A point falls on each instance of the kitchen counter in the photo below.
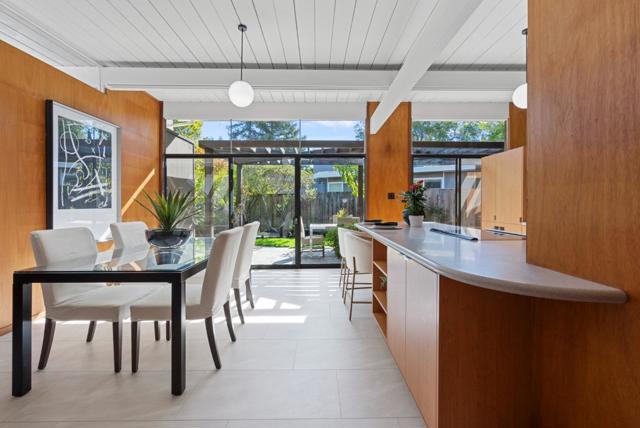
(498, 265)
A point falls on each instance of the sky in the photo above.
(313, 130)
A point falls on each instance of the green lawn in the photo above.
(276, 242)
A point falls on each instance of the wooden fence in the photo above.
(276, 212)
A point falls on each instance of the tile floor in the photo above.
(298, 363)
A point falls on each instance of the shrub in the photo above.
(331, 238)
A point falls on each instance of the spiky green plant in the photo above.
(171, 209)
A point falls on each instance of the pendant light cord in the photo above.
(242, 29)
(525, 32)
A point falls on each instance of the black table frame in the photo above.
(22, 309)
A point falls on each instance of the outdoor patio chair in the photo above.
(311, 240)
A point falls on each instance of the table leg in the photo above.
(21, 338)
(178, 337)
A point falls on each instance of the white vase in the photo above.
(416, 220)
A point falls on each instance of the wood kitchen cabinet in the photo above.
(503, 191)
(412, 328)
(421, 339)
(396, 305)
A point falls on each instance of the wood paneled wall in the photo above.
(583, 213)
(516, 127)
(25, 84)
(388, 163)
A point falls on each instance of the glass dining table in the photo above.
(136, 265)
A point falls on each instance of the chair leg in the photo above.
(208, 323)
(236, 292)
(227, 315)
(249, 292)
(117, 346)
(135, 345)
(49, 330)
(167, 327)
(353, 290)
(92, 331)
(345, 291)
(340, 284)
(156, 329)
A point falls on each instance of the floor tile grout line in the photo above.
(334, 316)
(339, 395)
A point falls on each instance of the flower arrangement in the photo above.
(414, 200)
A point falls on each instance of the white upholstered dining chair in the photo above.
(73, 302)
(131, 236)
(358, 259)
(201, 302)
(242, 271)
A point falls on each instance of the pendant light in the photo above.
(519, 97)
(241, 92)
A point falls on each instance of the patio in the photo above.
(286, 256)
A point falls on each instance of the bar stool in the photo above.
(359, 261)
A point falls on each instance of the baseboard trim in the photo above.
(7, 328)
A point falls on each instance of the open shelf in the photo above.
(381, 265)
(381, 319)
(379, 274)
(381, 297)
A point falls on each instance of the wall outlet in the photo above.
(391, 195)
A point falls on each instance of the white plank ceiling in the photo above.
(316, 34)
(282, 34)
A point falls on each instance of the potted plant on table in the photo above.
(414, 204)
(171, 211)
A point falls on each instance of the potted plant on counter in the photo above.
(414, 203)
(171, 211)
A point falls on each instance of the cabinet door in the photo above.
(396, 305)
(510, 186)
(421, 351)
(488, 193)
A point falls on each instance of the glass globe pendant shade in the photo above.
(519, 97)
(241, 93)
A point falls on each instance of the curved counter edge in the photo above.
(555, 285)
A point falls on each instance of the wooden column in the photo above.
(516, 127)
(583, 213)
(388, 163)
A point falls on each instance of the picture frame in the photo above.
(83, 168)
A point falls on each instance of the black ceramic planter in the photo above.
(168, 238)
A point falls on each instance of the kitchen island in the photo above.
(458, 317)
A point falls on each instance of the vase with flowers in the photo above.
(414, 204)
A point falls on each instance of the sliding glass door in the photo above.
(265, 191)
(331, 194)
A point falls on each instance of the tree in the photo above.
(272, 130)
(458, 131)
(189, 129)
(349, 175)
(358, 130)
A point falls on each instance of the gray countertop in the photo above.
(498, 265)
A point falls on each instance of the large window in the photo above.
(446, 155)
(298, 178)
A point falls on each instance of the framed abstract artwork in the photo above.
(83, 170)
